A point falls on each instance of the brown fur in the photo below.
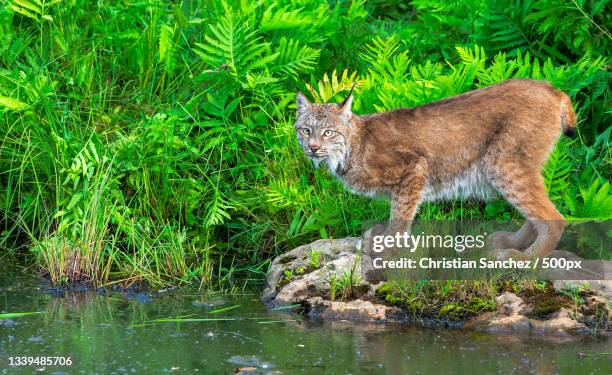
(492, 139)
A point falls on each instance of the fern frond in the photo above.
(294, 59)
(504, 25)
(36, 10)
(167, 47)
(500, 70)
(326, 89)
(283, 18)
(579, 25)
(282, 194)
(12, 104)
(217, 210)
(165, 41)
(462, 76)
(557, 173)
(595, 201)
(384, 60)
(234, 44)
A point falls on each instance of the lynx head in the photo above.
(323, 131)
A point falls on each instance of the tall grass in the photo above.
(153, 141)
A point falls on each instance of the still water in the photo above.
(119, 333)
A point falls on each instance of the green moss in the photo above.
(392, 299)
(452, 300)
(546, 307)
(384, 288)
(464, 309)
(543, 298)
(451, 310)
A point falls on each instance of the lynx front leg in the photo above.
(406, 199)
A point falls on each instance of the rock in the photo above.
(510, 317)
(601, 287)
(357, 310)
(337, 258)
(297, 278)
(509, 304)
(245, 370)
(249, 363)
(512, 323)
(561, 323)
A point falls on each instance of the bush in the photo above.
(153, 141)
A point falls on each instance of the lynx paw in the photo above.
(500, 240)
(503, 254)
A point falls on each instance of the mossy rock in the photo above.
(545, 302)
(438, 300)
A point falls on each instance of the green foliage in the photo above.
(234, 45)
(288, 275)
(36, 10)
(333, 287)
(148, 141)
(595, 201)
(295, 59)
(315, 258)
(433, 299)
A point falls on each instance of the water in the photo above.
(113, 334)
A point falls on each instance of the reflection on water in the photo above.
(114, 334)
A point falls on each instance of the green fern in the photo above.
(594, 202)
(328, 88)
(233, 44)
(579, 25)
(302, 223)
(384, 60)
(217, 210)
(12, 46)
(463, 75)
(294, 60)
(504, 25)
(557, 173)
(282, 194)
(274, 18)
(36, 10)
(167, 47)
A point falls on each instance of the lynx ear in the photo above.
(345, 106)
(303, 105)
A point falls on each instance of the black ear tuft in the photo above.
(570, 132)
(349, 96)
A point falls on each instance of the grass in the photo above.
(451, 300)
(458, 300)
(153, 142)
(19, 314)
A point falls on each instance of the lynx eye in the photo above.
(305, 131)
(328, 133)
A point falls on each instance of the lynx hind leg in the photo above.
(525, 190)
(519, 240)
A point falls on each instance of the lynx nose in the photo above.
(314, 148)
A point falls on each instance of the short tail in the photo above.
(568, 116)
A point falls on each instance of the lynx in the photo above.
(479, 144)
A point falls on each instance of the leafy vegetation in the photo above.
(153, 141)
